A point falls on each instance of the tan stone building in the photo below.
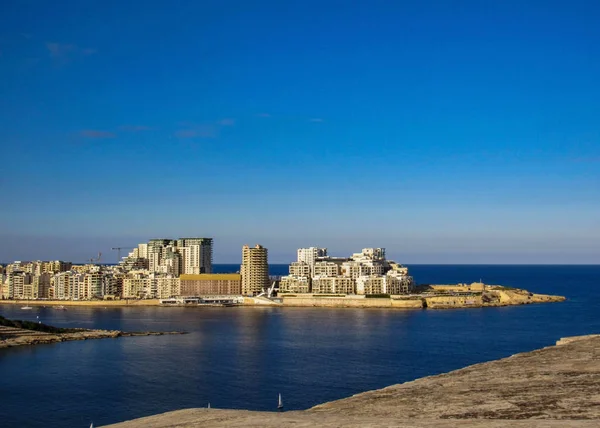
(167, 287)
(210, 284)
(254, 269)
(398, 283)
(326, 269)
(294, 284)
(372, 284)
(137, 288)
(332, 285)
(301, 269)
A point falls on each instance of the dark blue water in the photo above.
(243, 357)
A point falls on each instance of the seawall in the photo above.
(101, 303)
(351, 302)
(434, 297)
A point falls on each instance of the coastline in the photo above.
(20, 333)
(92, 303)
(430, 297)
(36, 338)
(556, 386)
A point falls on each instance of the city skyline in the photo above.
(446, 132)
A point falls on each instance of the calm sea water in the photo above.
(243, 357)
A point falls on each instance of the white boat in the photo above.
(60, 308)
(26, 308)
(280, 403)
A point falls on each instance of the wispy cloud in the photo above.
(201, 131)
(135, 128)
(263, 115)
(316, 120)
(226, 122)
(63, 52)
(204, 130)
(583, 159)
(93, 133)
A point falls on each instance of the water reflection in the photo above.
(244, 357)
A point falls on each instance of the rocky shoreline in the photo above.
(429, 297)
(557, 386)
(12, 336)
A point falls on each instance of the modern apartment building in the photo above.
(18, 285)
(254, 269)
(167, 287)
(93, 286)
(310, 255)
(326, 269)
(300, 269)
(136, 288)
(371, 284)
(294, 284)
(367, 272)
(196, 254)
(172, 257)
(157, 250)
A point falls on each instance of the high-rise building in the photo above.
(310, 255)
(156, 251)
(254, 269)
(182, 256)
(196, 255)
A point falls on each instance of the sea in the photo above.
(243, 357)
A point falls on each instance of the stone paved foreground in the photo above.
(558, 386)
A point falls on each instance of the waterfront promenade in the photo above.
(431, 297)
(557, 386)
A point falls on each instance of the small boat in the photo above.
(280, 403)
(60, 308)
(26, 308)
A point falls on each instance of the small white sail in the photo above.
(280, 404)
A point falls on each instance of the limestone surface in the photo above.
(557, 386)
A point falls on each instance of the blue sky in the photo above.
(445, 131)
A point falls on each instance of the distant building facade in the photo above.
(254, 269)
(366, 273)
(210, 284)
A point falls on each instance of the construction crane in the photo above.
(95, 260)
(119, 251)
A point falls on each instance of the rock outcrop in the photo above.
(10, 336)
(557, 386)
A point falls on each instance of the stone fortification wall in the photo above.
(453, 301)
(475, 286)
(350, 302)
